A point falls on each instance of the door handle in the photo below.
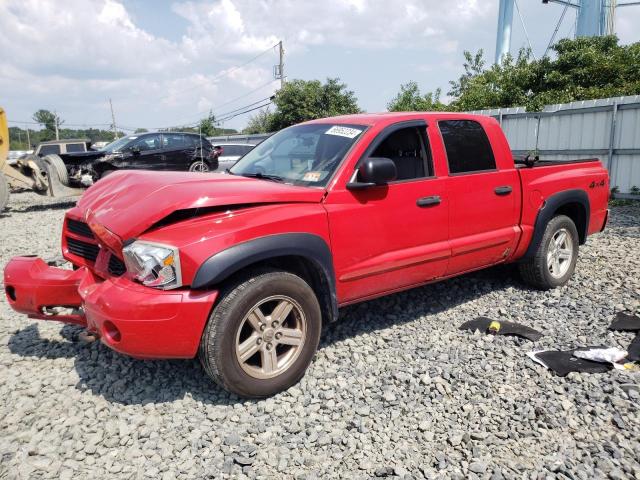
(504, 190)
(429, 201)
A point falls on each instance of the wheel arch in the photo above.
(303, 254)
(572, 203)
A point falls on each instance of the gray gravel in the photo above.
(394, 391)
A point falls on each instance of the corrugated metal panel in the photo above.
(584, 129)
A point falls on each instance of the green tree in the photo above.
(141, 130)
(260, 122)
(207, 126)
(48, 120)
(409, 99)
(584, 68)
(301, 100)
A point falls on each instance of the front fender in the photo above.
(222, 265)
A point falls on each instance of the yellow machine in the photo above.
(29, 172)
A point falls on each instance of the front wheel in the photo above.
(555, 259)
(262, 335)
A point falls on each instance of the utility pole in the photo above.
(278, 70)
(505, 21)
(56, 123)
(113, 120)
(28, 139)
(595, 17)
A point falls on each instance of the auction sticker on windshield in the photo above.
(343, 131)
(312, 176)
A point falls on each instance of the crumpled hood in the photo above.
(80, 157)
(128, 203)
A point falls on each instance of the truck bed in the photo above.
(520, 163)
(548, 177)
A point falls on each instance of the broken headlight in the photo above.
(154, 265)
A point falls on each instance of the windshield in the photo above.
(116, 145)
(300, 155)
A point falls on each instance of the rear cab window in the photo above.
(467, 146)
(75, 147)
(49, 149)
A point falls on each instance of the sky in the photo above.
(169, 62)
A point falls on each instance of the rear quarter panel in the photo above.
(540, 183)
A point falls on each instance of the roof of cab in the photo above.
(65, 140)
(393, 117)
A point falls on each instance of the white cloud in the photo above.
(74, 55)
(250, 26)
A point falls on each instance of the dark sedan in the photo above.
(148, 151)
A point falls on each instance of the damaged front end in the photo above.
(87, 168)
(92, 290)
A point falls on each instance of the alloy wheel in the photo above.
(271, 337)
(560, 253)
(199, 166)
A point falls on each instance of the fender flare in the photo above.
(545, 214)
(222, 265)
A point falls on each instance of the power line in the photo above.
(246, 111)
(246, 106)
(65, 123)
(247, 94)
(225, 72)
(230, 101)
(524, 27)
(553, 37)
(222, 116)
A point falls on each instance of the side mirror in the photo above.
(135, 150)
(374, 171)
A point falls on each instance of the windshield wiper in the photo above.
(265, 176)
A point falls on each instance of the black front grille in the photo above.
(79, 228)
(116, 266)
(88, 251)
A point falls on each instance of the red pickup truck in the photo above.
(243, 268)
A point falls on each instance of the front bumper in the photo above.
(128, 317)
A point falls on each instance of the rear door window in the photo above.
(467, 145)
(173, 141)
(49, 149)
(75, 147)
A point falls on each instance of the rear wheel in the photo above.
(199, 166)
(4, 191)
(262, 335)
(555, 259)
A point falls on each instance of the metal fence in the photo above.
(608, 129)
(253, 139)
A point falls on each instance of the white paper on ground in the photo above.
(611, 355)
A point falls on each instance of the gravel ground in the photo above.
(395, 389)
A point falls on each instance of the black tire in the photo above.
(4, 191)
(45, 171)
(218, 344)
(201, 166)
(536, 271)
(57, 165)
